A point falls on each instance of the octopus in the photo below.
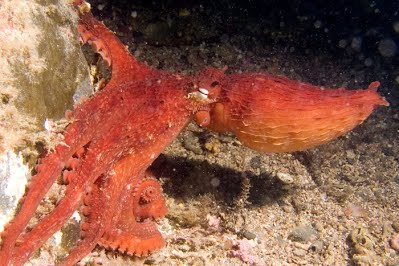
(116, 134)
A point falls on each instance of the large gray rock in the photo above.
(41, 66)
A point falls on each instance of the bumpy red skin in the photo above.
(120, 131)
(127, 121)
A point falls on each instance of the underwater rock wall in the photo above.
(41, 65)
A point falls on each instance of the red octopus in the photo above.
(116, 135)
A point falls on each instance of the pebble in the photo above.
(100, 7)
(299, 252)
(350, 154)
(249, 235)
(304, 246)
(317, 246)
(303, 233)
(356, 43)
(342, 43)
(213, 145)
(190, 142)
(395, 226)
(286, 179)
(395, 26)
(361, 239)
(288, 208)
(387, 48)
(319, 227)
(184, 12)
(317, 24)
(368, 62)
(256, 162)
(215, 182)
(184, 248)
(157, 31)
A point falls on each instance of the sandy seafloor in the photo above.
(337, 204)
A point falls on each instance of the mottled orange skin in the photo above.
(121, 130)
(276, 114)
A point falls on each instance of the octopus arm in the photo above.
(47, 172)
(111, 49)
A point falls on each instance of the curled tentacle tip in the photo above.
(149, 194)
(67, 176)
(374, 85)
(82, 6)
(72, 163)
(68, 114)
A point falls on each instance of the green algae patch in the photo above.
(49, 92)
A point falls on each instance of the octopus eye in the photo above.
(214, 84)
(201, 95)
(203, 91)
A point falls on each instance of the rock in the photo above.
(317, 246)
(248, 235)
(284, 178)
(356, 43)
(213, 145)
(363, 246)
(41, 66)
(191, 143)
(215, 182)
(303, 233)
(350, 154)
(387, 48)
(299, 252)
(395, 226)
(157, 32)
(14, 176)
